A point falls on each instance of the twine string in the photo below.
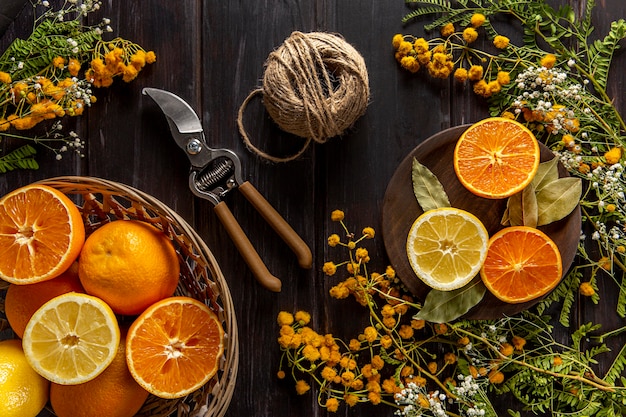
(315, 86)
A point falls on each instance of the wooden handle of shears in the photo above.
(247, 251)
(279, 224)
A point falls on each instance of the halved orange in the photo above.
(174, 347)
(522, 264)
(496, 157)
(41, 234)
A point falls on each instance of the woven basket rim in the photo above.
(214, 398)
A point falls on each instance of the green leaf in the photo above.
(427, 188)
(557, 199)
(522, 208)
(547, 172)
(20, 158)
(445, 306)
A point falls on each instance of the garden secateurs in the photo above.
(214, 173)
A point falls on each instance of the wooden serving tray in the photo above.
(400, 209)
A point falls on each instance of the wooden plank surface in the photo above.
(212, 54)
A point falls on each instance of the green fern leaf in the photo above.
(617, 367)
(422, 11)
(20, 158)
(603, 51)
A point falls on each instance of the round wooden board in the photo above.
(400, 209)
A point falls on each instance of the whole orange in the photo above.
(21, 301)
(129, 264)
(113, 393)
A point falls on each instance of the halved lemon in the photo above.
(71, 339)
(446, 247)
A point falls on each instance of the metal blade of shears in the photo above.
(184, 124)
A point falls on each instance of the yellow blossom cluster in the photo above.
(438, 56)
(40, 98)
(117, 58)
(59, 91)
(335, 365)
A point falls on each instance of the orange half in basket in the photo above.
(174, 347)
(41, 234)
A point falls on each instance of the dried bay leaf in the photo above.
(530, 206)
(445, 306)
(521, 209)
(514, 216)
(547, 172)
(427, 189)
(557, 199)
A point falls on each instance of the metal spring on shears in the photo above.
(207, 179)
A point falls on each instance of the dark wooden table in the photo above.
(212, 55)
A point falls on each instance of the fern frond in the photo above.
(582, 332)
(601, 52)
(20, 158)
(617, 367)
(422, 11)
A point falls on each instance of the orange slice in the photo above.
(41, 234)
(522, 264)
(496, 157)
(174, 347)
(72, 338)
(446, 247)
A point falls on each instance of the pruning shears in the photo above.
(216, 172)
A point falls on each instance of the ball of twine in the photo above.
(315, 86)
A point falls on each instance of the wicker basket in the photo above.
(102, 201)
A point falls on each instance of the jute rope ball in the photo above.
(315, 86)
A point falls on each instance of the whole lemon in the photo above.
(129, 264)
(23, 392)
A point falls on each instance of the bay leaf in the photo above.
(547, 172)
(445, 306)
(428, 191)
(557, 199)
(515, 210)
(530, 207)
(506, 218)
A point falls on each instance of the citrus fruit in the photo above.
(174, 347)
(522, 264)
(23, 392)
(496, 157)
(41, 234)
(21, 301)
(113, 393)
(72, 338)
(129, 264)
(446, 247)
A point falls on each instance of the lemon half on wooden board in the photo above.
(446, 247)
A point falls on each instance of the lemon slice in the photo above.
(447, 247)
(71, 339)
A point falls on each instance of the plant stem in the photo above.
(595, 382)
